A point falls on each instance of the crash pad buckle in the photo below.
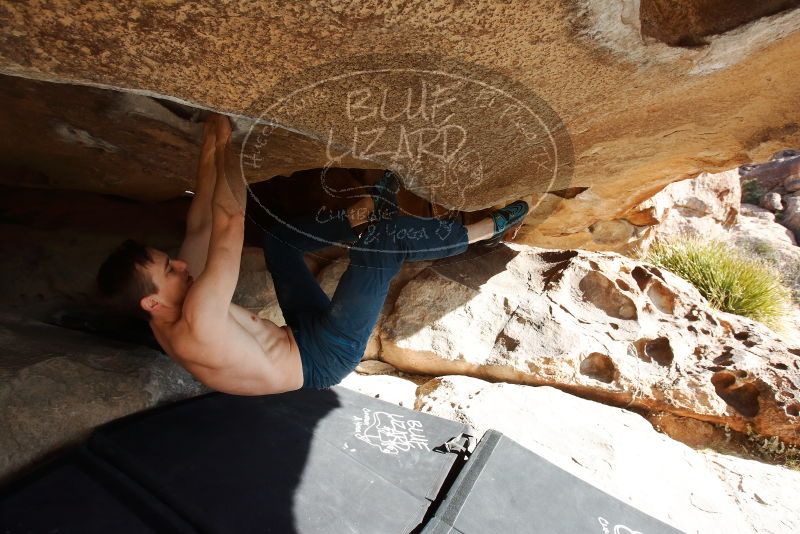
(454, 445)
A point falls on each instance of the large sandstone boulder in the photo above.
(57, 385)
(779, 174)
(709, 207)
(618, 451)
(600, 326)
(591, 107)
(772, 202)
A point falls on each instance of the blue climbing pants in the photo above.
(332, 333)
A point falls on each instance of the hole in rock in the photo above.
(623, 285)
(656, 272)
(660, 350)
(558, 256)
(693, 314)
(793, 409)
(662, 298)
(507, 341)
(603, 294)
(723, 360)
(741, 396)
(570, 192)
(553, 275)
(641, 276)
(598, 366)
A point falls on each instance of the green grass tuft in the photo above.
(731, 282)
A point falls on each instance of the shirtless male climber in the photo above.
(187, 300)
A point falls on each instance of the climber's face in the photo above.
(171, 277)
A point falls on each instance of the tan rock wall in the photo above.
(640, 114)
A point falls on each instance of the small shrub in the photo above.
(730, 281)
(751, 192)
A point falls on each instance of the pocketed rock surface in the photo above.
(600, 326)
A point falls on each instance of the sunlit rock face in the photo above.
(586, 108)
(596, 325)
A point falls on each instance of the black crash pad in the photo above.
(307, 461)
(507, 488)
(67, 497)
(329, 461)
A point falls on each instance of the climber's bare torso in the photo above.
(236, 358)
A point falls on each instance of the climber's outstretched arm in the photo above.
(208, 302)
(194, 249)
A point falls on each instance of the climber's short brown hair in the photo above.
(121, 281)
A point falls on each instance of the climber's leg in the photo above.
(284, 245)
(343, 329)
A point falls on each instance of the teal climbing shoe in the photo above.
(505, 219)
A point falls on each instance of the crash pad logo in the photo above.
(390, 433)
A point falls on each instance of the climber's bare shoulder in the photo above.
(239, 354)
